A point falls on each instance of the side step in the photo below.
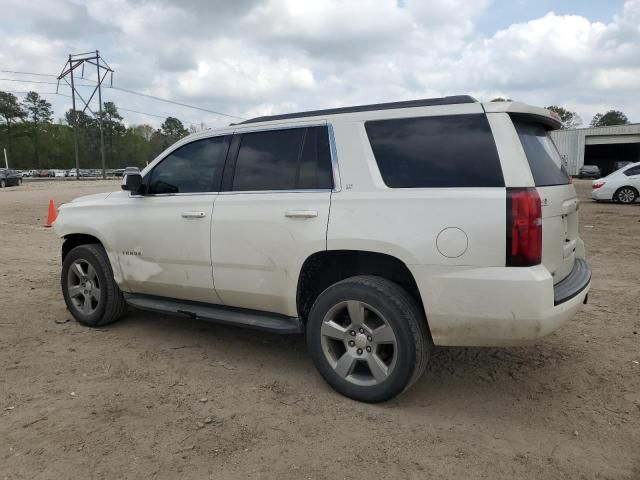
(271, 322)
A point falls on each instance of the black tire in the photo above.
(3, 184)
(110, 305)
(399, 311)
(626, 195)
(19, 181)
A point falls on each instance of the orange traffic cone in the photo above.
(52, 214)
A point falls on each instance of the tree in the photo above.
(112, 126)
(612, 117)
(39, 113)
(171, 131)
(569, 119)
(501, 99)
(10, 110)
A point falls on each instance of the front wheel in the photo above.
(626, 195)
(3, 184)
(368, 338)
(90, 292)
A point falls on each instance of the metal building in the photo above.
(601, 146)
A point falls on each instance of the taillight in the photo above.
(597, 185)
(524, 227)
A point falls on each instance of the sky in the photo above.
(248, 58)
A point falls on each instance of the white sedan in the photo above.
(622, 185)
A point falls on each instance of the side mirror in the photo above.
(132, 182)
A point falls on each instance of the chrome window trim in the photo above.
(337, 187)
(254, 192)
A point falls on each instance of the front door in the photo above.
(165, 234)
(273, 216)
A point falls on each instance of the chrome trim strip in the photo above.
(337, 186)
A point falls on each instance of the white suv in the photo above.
(377, 230)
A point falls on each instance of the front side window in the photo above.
(195, 167)
(436, 152)
(288, 159)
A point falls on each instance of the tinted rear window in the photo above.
(443, 151)
(544, 160)
(284, 160)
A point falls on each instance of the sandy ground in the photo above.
(161, 397)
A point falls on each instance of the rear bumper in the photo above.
(574, 283)
(498, 306)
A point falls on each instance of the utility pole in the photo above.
(102, 70)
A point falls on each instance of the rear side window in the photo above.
(629, 172)
(289, 159)
(443, 151)
(542, 155)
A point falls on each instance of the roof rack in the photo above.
(426, 102)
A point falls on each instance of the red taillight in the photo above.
(524, 227)
(597, 185)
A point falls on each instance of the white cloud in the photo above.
(251, 57)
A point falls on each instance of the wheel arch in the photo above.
(322, 269)
(74, 240)
(615, 194)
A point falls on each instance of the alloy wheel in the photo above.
(83, 287)
(626, 195)
(358, 343)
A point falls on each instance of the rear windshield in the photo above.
(544, 160)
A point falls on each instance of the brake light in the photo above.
(524, 227)
(597, 185)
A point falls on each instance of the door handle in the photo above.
(301, 213)
(193, 214)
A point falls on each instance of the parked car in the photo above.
(59, 173)
(622, 185)
(589, 171)
(9, 178)
(377, 231)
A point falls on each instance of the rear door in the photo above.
(557, 195)
(272, 217)
(633, 175)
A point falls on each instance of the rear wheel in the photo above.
(626, 195)
(368, 338)
(3, 184)
(90, 292)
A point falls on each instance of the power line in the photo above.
(28, 73)
(185, 121)
(153, 97)
(125, 90)
(20, 80)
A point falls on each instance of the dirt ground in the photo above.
(159, 397)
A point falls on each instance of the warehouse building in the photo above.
(605, 147)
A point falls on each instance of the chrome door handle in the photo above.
(301, 213)
(193, 214)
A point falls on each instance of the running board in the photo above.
(271, 322)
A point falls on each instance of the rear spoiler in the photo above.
(541, 115)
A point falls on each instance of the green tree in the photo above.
(10, 111)
(569, 119)
(612, 117)
(113, 128)
(501, 99)
(39, 114)
(173, 130)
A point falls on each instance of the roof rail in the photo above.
(426, 102)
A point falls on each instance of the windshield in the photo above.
(544, 160)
